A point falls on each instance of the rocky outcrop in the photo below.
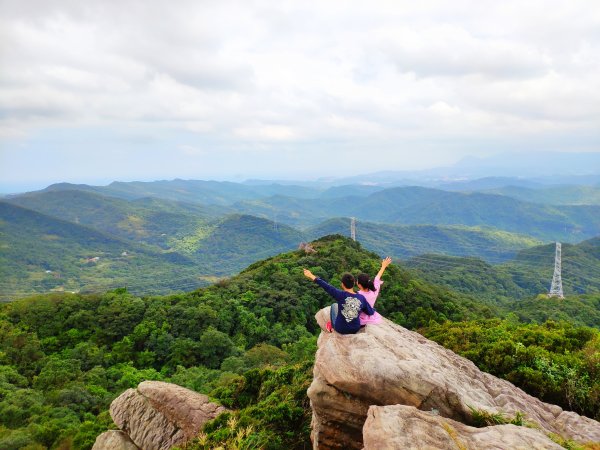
(387, 364)
(158, 416)
(405, 427)
(114, 440)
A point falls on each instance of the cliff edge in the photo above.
(438, 391)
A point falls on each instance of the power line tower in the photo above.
(556, 289)
(353, 228)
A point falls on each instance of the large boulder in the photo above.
(387, 364)
(114, 440)
(397, 426)
(158, 416)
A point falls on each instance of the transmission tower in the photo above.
(556, 289)
(353, 229)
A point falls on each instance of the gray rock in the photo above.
(387, 364)
(158, 416)
(405, 427)
(114, 440)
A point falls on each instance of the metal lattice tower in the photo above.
(556, 289)
(353, 228)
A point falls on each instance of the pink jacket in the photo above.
(371, 296)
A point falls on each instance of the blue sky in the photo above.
(97, 91)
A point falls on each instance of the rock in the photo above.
(158, 416)
(387, 364)
(397, 426)
(114, 440)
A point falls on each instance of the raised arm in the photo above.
(386, 262)
(335, 293)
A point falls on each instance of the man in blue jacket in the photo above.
(345, 311)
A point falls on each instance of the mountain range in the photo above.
(198, 231)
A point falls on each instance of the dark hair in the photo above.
(364, 280)
(348, 280)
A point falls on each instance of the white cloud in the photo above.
(240, 73)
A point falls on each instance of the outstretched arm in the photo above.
(308, 274)
(335, 293)
(386, 262)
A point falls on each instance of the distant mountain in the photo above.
(350, 190)
(40, 253)
(418, 205)
(148, 220)
(487, 183)
(192, 191)
(237, 241)
(403, 241)
(528, 274)
(542, 167)
(149, 245)
(553, 195)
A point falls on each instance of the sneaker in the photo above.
(329, 327)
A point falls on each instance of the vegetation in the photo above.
(249, 343)
(403, 241)
(66, 356)
(553, 195)
(527, 275)
(557, 362)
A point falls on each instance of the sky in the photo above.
(97, 91)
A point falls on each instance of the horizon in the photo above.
(250, 90)
(449, 173)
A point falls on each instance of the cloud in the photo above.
(236, 77)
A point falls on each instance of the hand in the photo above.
(386, 262)
(308, 274)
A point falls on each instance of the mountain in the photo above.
(249, 342)
(220, 193)
(526, 275)
(418, 205)
(41, 253)
(232, 243)
(148, 220)
(194, 250)
(403, 241)
(487, 184)
(554, 195)
(429, 206)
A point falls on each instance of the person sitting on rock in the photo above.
(345, 311)
(369, 289)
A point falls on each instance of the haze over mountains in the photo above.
(182, 234)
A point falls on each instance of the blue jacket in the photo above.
(349, 307)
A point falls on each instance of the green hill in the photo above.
(227, 245)
(249, 343)
(528, 274)
(552, 195)
(582, 310)
(403, 241)
(220, 193)
(430, 206)
(40, 253)
(148, 220)
(417, 206)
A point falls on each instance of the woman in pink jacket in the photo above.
(370, 290)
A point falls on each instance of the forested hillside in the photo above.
(249, 343)
(528, 274)
(403, 241)
(552, 195)
(149, 220)
(41, 253)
